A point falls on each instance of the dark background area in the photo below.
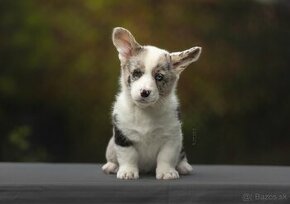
(59, 76)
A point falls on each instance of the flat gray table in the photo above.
(86, 183)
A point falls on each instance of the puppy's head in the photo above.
(149, 73)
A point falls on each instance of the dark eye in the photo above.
(137, 74)
(159, 77)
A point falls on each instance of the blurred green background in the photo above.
(59, 76)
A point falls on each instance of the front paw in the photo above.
(127, 172)
(169, 173)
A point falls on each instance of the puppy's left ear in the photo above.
(180, 60)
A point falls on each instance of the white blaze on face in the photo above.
(152, 57)
(147, 81)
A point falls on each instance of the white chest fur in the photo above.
(148, 129)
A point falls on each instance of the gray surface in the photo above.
(85, 183)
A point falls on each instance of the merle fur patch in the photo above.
(131, 66)
(185, 56)
(165, 86)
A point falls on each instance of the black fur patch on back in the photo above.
(119, 137)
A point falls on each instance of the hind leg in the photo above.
(112, 166)
(183, 167)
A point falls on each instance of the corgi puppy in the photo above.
(147, 132)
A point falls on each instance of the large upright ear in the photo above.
(125, 43)
(180, 60)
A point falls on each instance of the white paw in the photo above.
(110, 168)
(184, 167)
(127, 172)
(167, 174)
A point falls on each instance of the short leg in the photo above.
(167, 160)
(183, 167)
(111, 167)
(128, 162)
(121, 151)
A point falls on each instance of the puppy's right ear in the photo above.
(125, 43)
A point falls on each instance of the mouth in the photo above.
(145, 102)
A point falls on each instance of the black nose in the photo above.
(145, 93)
